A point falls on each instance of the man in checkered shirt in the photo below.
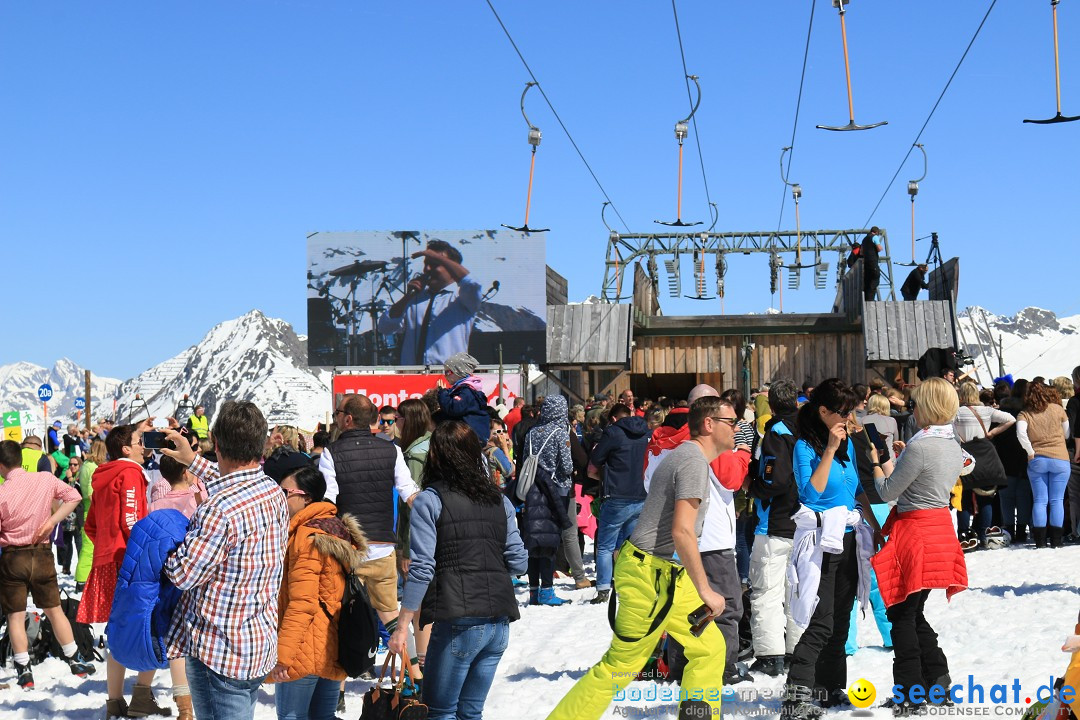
(229, 568)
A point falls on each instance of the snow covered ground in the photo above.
(1008, 626)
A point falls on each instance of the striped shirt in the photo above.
(229, 568)
(26, 503)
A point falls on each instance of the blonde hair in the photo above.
(1064, 386)
(290, 435)
(878, 404)
(936, 402)
(98, 454)
(968, 393)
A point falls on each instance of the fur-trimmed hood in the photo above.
(338, 537)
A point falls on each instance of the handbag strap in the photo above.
(981, 423)
(406, 670)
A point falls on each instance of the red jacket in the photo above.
(729, 468)
(922, 554)
(118, 502)
(512, 418)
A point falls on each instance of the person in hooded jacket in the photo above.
(322, 548)
(621, 455)
(464, 399)
(547, 521)
(118, 502)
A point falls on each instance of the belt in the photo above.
(726, 552)
(14, 548)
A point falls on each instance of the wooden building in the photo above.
(610, 347)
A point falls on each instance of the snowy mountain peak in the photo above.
(252, 357)
(19, 383)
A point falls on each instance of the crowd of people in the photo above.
(732, 536)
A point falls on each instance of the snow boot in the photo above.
(735, 674)
(116, 708)
(340, 703)
(1054, 535)
(835, 698)
(143, 703)
(1039, 533)
(584, 584)
(547, 596)
(771, 665)
(534, 596)
(797, 704)
(79, 665)
(1021, 535)
(25, 676)
(184, 709)
(694, 709)
(602, 597)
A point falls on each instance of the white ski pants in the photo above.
(774, 631)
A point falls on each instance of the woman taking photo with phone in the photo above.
(464, 546)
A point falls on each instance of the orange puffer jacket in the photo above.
(321, 547)
(922, 553)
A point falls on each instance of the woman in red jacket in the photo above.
(923, 552)
(118, 502)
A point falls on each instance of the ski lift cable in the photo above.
(798, 106)
(932, 111)
(556, 114)
(689, 97)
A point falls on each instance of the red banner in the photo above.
(391, 389)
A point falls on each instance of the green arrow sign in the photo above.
(11, 419)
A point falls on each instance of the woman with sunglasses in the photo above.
(321, 549)
(827, 477)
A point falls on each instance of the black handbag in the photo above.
(989, 473)
(387, 702)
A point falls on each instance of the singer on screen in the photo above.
(436, 313)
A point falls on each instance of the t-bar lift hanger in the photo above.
(847, 72)
(1059, 118)
(682, 129)
(534, 140)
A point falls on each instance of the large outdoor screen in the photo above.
(414, 298)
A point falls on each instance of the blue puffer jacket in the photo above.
(144, 600)
(466, 401)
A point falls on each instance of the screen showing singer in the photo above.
(437, 311)
(416, 297)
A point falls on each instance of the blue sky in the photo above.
(162, 163)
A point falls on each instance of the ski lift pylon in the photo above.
(847, 73)
(1059, 118)
(682, 129)
(534, 141)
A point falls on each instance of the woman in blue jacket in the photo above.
(828, 477)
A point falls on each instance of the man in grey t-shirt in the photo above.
(682, 475)
(656, 593)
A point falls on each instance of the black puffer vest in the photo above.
(471, 578)
(364, 465)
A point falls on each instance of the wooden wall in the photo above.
(801, 358)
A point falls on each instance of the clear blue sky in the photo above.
(162, 162)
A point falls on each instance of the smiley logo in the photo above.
(862, 693)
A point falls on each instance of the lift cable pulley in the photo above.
(534, 141)
(847, 73)
(682, 129)
(1059, 118)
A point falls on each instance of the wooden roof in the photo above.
(595, 334)
(900, 332)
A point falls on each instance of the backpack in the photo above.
(527, 475)
(84, 634)
(358, 628)
(37, 642)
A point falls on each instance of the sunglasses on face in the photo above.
(499, 432)
(387, 421)
(730, 422)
